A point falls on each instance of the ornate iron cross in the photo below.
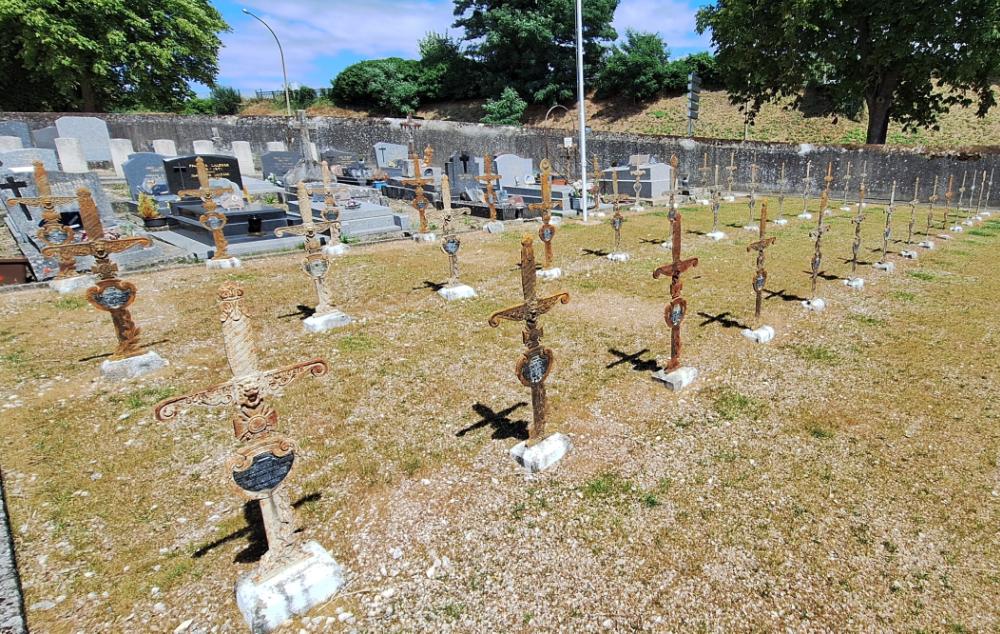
(961, 189)
(53, 232)
(817, 233)
(595, 187)
(262, 463)
(303, 125)
(752, 203)
(930, 208)
(490, 178)
(716, 203)
(982, 190)
(887, 231)
(948, 195)
(213, 220)
(411, 126)
(110, 294)
(807, 187)
(316, 263)
(732, 173)
(547, 231)
(705, 170)
(617, 220)
(331, 213)
(847, 182)
(763, 242)
(450, 244)
(536, 363)
(989, 189)
(782, 185)
(637, 185)
(913, 210)
(677, 308)
(420, 202)
(858, 220)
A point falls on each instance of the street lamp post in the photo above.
(582, 113)
(284, 71)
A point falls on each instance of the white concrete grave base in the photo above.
(669, 246)
(888, 267)
(716, 235)
(956, 229)
(549, 274)
(291, 592)
(985, 214)
(729, 199)
(459, 291)
(704, 202)
(750, 227)
(619, 257)
(908, 255)
(71, 284)
(944, 236)
(326, 321)
(968, 222)
(816, 305)
(555, 220)
(494, 227)
(805, 215)
(542, 454)
(781, 222)
(336, 249)
(845, 208)
(678, 379)
(854, 282)
(131, 367)
(926, 244)
(637, 207)
(759, 335)
(225, 263)
(424, 237)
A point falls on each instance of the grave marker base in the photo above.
(459, 291)
(131, 367)
(678, 379)
(542, 454)
(72, 284)
(326, 321)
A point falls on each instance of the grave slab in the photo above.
(678, 379)
(459, 291)
(542, 454)
(8, 143)
(326, 321)
(763, 334)
(166, 147)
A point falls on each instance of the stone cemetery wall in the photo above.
(360, 135)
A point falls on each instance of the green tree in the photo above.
(446, 73)
(636, 69)
(98, 55)
(508, 109)
(530, 44)
(225, 100)
(390, 85)
(909, 60)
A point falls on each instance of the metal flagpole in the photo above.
(582, 105)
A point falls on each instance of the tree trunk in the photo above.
(87, 97)
(879, 101)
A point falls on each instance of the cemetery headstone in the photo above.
(46, 137)
(71, 155)
(212, 219)
(275, 164)
(8, 143)
(19, 129)
(276, 146)
(144, 173)
(22, 160)
(182, 171)
(462, 170)
(390, 155)
(165, 147)
(120, 151)
(244, 157)
(291, 577)
(535, 365)
(513, 169)
(203, 146)
(92, 133)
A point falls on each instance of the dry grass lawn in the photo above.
(843, 477)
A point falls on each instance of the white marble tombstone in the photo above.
(166, 147)
(92, 134)
(71, 155)
(203, 146)
(244, 156)
(8, 143)
(120, 151)
(276, 146)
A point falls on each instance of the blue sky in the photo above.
(321, 37)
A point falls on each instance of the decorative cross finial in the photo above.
(490, 179)
(677, 308)
(420, 201)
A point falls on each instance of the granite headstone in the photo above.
(92, 133)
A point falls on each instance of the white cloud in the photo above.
(312, 31)
(674, 20)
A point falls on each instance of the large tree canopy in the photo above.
(96, 55)
(530, 44)
(910, 60)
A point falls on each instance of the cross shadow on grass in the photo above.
(652, 241)
(829, 277)
(253, 531)
(302, 312)
(503, 426)
(723, 319)
(783, 296)
(434, 286)
(635, 360)
(695, 232)
(597, 253)
(105, 355)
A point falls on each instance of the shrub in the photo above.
(225, 100)
(390, 85)
(508, 109)
(636, 70)
(198, 105)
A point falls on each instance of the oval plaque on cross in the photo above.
(261, 467)
(534, 367)
(451, 246)
(111, 295)
(547, 232)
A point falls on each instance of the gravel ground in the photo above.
(843, 477)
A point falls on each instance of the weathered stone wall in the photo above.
(359, 135)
